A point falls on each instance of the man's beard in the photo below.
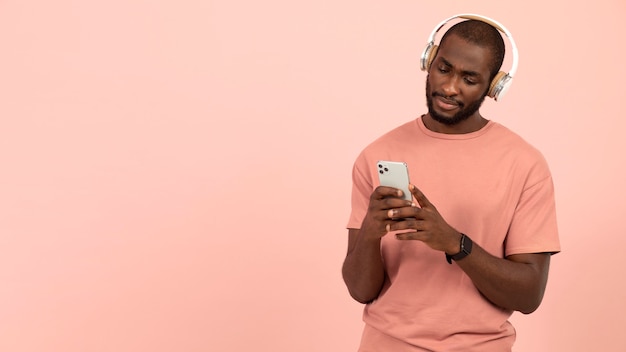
(464, 111)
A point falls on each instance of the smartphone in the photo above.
(394, 174)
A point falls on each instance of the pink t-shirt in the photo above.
(489, 184)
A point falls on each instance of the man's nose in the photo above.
(450, 86)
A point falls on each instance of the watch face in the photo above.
(466, 248)
(466, 245)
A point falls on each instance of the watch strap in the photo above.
(466, 249)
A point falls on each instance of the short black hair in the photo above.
(484, 35)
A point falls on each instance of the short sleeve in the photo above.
(534, 226)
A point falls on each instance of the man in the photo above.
(483, 202)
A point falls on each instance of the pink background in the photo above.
(176, 174)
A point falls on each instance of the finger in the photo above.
(382, 192)
(409, 236)
(420, 197)
(406, 211)
(388, 204)
(389, 225)
(408, 224)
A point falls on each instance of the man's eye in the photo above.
(470, 82)
(443, 69)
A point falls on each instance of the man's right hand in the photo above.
(384, 204)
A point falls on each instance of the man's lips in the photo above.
(445, 103)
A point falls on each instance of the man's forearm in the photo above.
(516, 283)
(363, 270)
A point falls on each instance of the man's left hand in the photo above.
(428, 225)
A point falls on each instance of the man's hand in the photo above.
(428, 225)
(385, 204)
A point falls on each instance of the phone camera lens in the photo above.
(380, 166)
(386, 169)
(381, 172)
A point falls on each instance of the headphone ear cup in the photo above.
(497, 85)
(428, 56)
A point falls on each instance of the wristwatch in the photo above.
(466, 249)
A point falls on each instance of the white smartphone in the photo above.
(394, 174)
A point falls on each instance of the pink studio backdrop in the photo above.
(176, 175)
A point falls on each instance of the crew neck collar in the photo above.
(461, 136)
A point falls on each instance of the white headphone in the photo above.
(502, 81)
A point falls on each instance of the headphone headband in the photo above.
(496, 24)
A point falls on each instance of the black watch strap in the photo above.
(466, 249)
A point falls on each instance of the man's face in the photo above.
(457, 81)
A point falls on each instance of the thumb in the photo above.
(420, 197)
